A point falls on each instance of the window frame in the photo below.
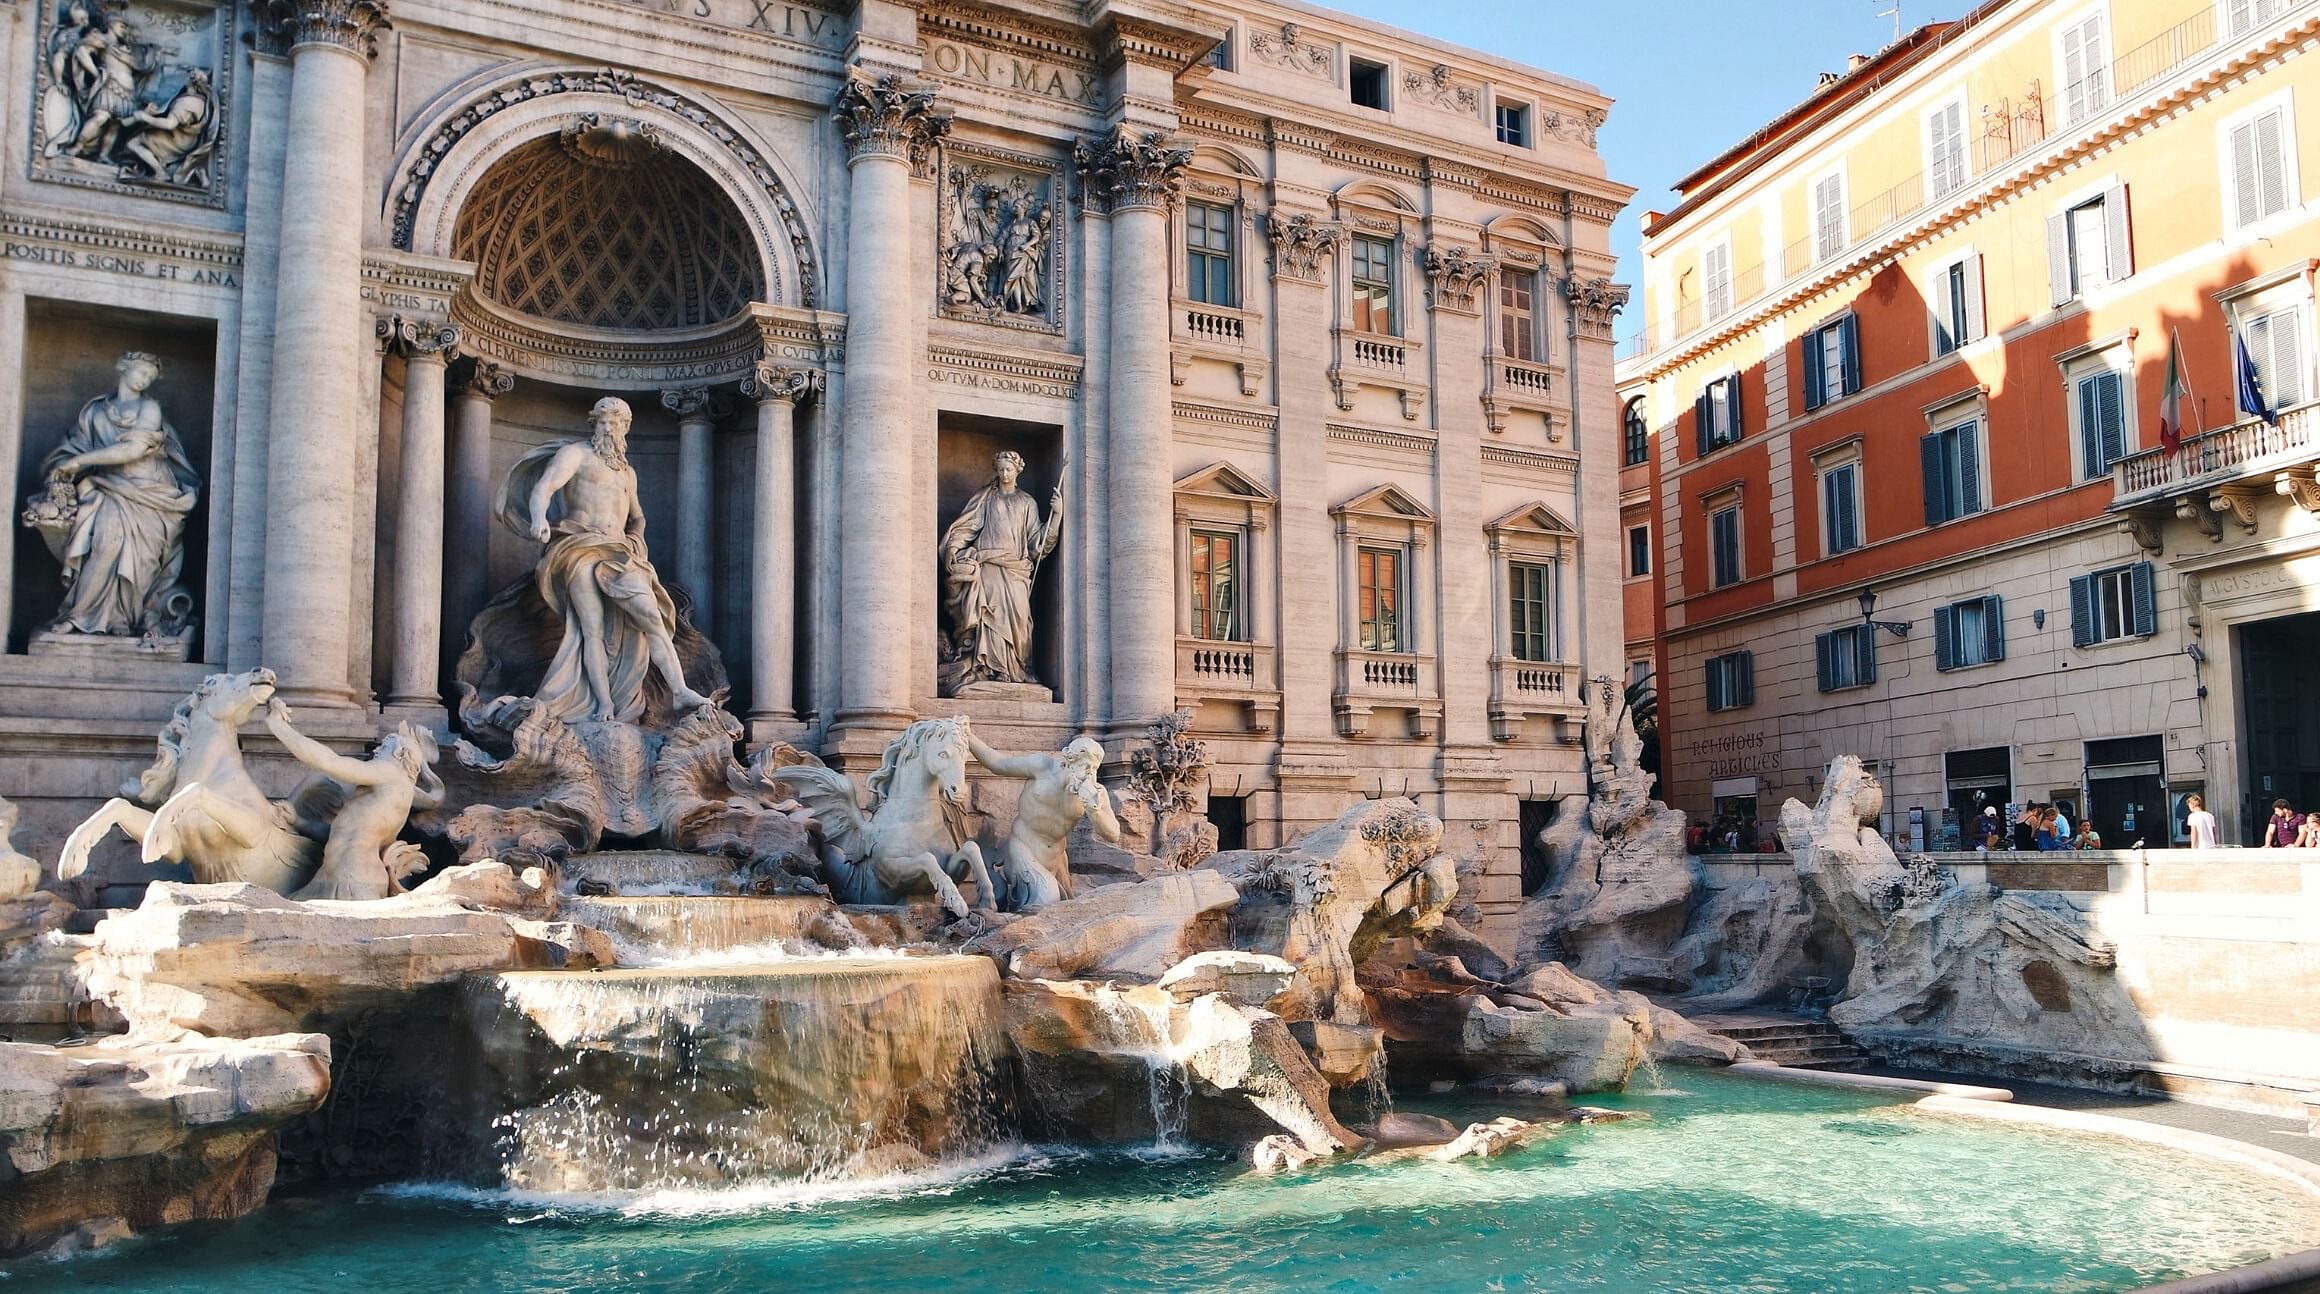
(1854, 646)
(1958, 319)
(1956, 103)
(1717, 506)
(1525, 137)
(2109, 357)
(1731, 680)
(1549, 626)
(2124, 595)
(1814, 362)
(1639, 551)
(1635, 434)
(1230, 257)
(1949, 634)
(1371, 618)
(1827, 470)
(1716, 292)
(1355, 282)
(2281, 103)
(2066, 279)
(1354, 66)
(1706, 438)
(2257, 19)
(1945, 418)
(2105, 94)
(1222, 497)
(1237, 537)
(1532, 332)
(2286, 291)
(1532, 535)
(1812, 207)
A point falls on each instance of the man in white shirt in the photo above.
(2200, 824)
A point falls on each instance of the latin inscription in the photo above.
(792, 22)
(1001, 382)
(1008, 72)
(114, 263)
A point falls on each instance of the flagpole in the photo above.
(2175, 336)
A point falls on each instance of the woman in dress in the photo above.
(119, 492)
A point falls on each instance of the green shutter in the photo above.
(1929, 457)
(1824, 660)
(1944, 638)
(2083, 630)
(1865, 655)
(2146, 618)
(1849, 345)
(1746, 663)
(1993, 628)
(1812, 370)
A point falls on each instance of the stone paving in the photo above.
(2285, 1135)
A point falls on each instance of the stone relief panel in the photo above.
(1000, 254)
(1435, 89)
(1289, 49)
(131, 97)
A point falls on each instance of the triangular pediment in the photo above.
(1387, 500)
(1534, 517)
(1224, 479)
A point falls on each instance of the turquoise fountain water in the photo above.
(1733, 1184)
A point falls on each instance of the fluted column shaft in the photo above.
(306, 618)
(773, 540)
(417, 627)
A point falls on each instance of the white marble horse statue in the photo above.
(912, 839)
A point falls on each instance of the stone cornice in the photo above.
(989, 26)
(1378, 438)
(1531, 461)
(419, 286)
(199, 247)
(1059, 369)
(1253, 419)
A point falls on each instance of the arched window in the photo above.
(1638, 436)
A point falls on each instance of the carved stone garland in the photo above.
(1302, 245)
(1128, 169)
(886, 116)
(1455, 275)
(1289, 50)
(1435, 89)
(628, 88)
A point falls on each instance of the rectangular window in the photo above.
(1945, 148)
(1518, 314)
(2243, 16)
(1953, 472)
(2111, 604)
(1840, 509)
(1828, 217)
(2089, 266)
(1731, 680)
(1638, 550)
(1216, 586)
(2259, 168)
(2100, 401)
(1638, 435)
(1847, 657)
(1514, 124)
(1530, 594)
(1716, 414)
(1208, 252)
(1380, 576)
(2087, 246)
(2086, 70)
(1716, 281)
(1832, 362)
(1957, 305)
(2275, 343)
(1366, 82)
(1969, 633)
(1724, 545)
(1373, 284)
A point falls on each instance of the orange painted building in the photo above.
(1910, 342)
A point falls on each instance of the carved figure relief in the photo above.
(113, 511)
(128, 96)
(1573, 127)
(1435, 89)
(1289, 49)
(990, 555)
(998, 245)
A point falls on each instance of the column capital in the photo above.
(693, 403)
(781, 382)
(1593, 302)
(1130, 169)
(483, 378)
(419, 338)
(350, 25)
(1302, 245)
(1454, 275)
(888, 116)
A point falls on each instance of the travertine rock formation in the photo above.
(103, 1141)
(1132, 931)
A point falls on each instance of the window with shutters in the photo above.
(1716, 414)
(1530, 605)
(1970, 633)
(2275, 341)
(2258, 155)
(1724, 545)
(2083, 55)
(1832, 362)
(1373, 284)
(2111, 604)
(1828, 216)
(2087, 244)
(1208, 254)
(1731, 680)
(2101, 400)
(1378, 574)
(1637, 434)
(1518, 314)
(1217, 597)
(2241, 17)
(1847, 657)
(1956, 300)
(1945, 148)
(1952, 462)
(1638, 551)
(1840, 508)
(1716, 281)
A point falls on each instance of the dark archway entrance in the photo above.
(2279, 662)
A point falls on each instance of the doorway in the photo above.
(2126, 792)
(2280, 724)
(1978, 780)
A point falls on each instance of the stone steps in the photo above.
(1799, 1044)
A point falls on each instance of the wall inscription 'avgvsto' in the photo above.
(132, 98)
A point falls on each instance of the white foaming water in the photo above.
(775, 952)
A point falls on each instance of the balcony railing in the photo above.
(2244, 450)
(1210, 670)
(1524, 689)
(1367, 680)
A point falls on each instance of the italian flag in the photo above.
(2171, 399)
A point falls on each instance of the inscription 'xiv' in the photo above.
(1004, 72)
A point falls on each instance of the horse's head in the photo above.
(233, 699)
(940, 746)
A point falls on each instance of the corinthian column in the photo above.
(778, 391)
(1135, 176)
(418, 607)
(697, 412)
(467, 520)
(888, 123)
(318, 348)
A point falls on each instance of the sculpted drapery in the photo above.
(990, 554)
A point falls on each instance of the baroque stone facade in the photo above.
(1297, 384)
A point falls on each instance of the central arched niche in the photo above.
(602, 226)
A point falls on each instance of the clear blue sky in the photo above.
(1690, 77)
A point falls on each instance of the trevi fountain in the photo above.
(1014, 818)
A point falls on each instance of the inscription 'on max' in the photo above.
(1007, 72)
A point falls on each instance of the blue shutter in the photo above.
(1944, 638)
(1865, 654)
(1849, 335)
(1746, 663)
(2111, 420)
(1715, 672)
(1993, 628)
(1732, 406)
(2089, 431)
(1700, 422)
(1824, 660)
(1969, 466)
(2082, 625)
(1812, 370)
(1936, 498)
(2146, 610)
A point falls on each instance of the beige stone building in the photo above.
(1297, 322)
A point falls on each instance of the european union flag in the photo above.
(2251, 386)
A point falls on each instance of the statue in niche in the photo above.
(619, 622)
(990, 556)
(113, 512)
(1034, 870)
(995, 244)
(108, 101)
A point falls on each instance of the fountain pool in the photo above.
(1733, 1184)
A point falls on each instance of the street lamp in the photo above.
(1898, 628)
